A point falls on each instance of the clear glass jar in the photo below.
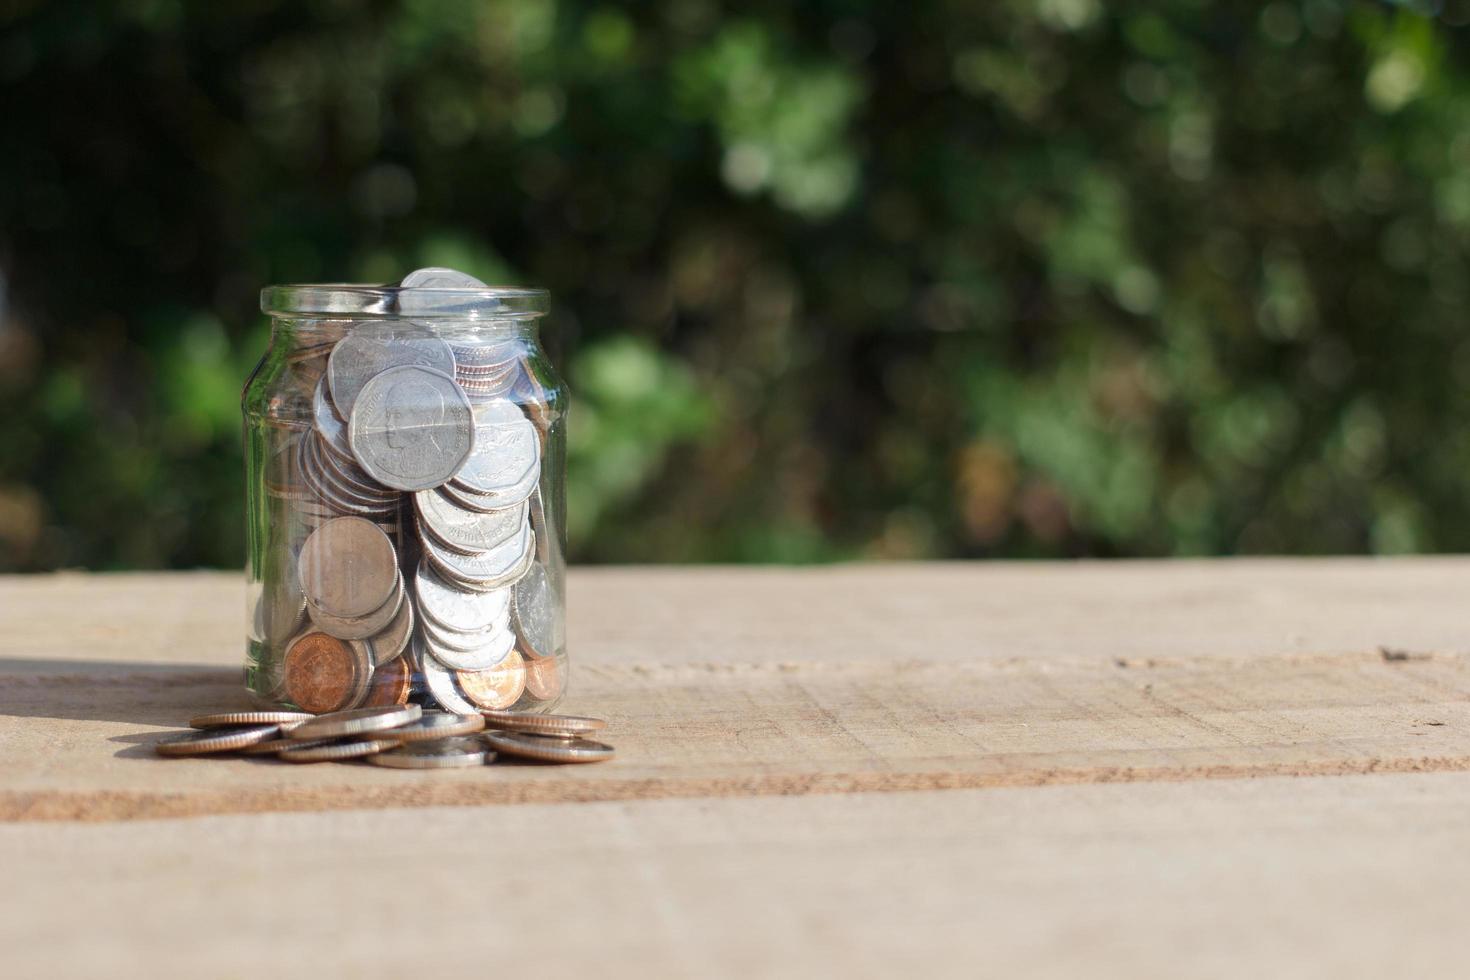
(405, 457)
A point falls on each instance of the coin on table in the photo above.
(358, 358)
(357, 721)
(455, 608)
(411, 428)
(214, 740)
(228, 718)
(534, 613)
(545, 678)
(392, 684)
(323, 673)
(560, 725)
(435, 724)
(498, 687)
(442, 753)
(468, 531)
(348, 567)
(335, 751)
(545, 748)
(438, 277)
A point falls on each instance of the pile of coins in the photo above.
(398, 736)
(423, 569)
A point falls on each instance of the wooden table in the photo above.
(1111, 770)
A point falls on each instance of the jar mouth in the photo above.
(418, 302)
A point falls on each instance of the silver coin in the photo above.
(348, 567)
(489, 570)
(358, 721)
(439, 277)
(466, 531)
(457, 609)
(225, 719)
(489, 354)
(359, 358)
(332, 495)
(538, 524)
(435, 725)
(534, 613)
(440, 681)
(360, 628)
(444, 753)
(392, 640)
(548, 748)
(491, 653)
(412, 428)
(334, 751)
(348, 481)
(327, 422)
(215, 740)
(487, 635)
(281, 603)
(506, 462)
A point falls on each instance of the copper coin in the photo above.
(523, 721)
(547, 748)
(545, 678)
(335, 751)
(392, 683)
(249, 718)
(358, 721)
(214, 740)
(497, 687)
(324, 673)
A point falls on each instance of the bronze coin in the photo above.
(392, 684)
(544, 748)
(496, 687)
(322, 673)
(560, 725)
(545, 678)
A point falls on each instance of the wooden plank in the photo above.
(1282, 878)
(732, 682)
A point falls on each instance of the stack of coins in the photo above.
(399, 737)
(422, 570)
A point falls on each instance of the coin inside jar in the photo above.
(392, 684)
(498, 687)
(411, 428)
(323, 673)
(545, 678)
(348, 567)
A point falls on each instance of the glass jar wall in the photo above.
(405, 457)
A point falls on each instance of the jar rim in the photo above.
(353, 299)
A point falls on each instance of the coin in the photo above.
(348, 567)
(323, 673)
(498, 687)
(411, 428)
(358, 358)
(362, 627)
(230, 718)
(521, 721)
(438, 277)
(358, 721)
(455, 609)
(440, 681)
(534, 613)
(506, 462)
(436, 724)
(335, 751)
(392, 684)
(214, 740)
(279, 608)
(444, 753)
(393, 638)
(328, 423)
(538, 525)
(547, 749)
(271, 746)
(485, 571)
(466, 531)
(484, 654)
(545, 678)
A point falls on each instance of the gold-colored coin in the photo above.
(547, 748)
(227, 718)
(545, 678)
(520, 721)
(335, 751)
(215, 740)
(498, 687)
(392, 684)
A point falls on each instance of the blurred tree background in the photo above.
(832, 279)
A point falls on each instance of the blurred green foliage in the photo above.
(832, 279)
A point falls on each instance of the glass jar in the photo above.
(405, 456)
